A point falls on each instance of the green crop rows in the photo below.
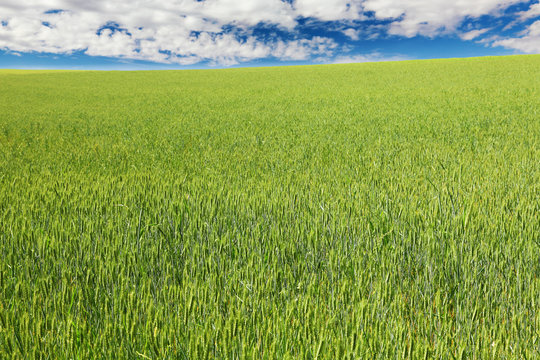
(366, 211)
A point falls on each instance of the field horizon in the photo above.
(240, 67)
(371, 210)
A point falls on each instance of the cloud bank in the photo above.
(228, 32)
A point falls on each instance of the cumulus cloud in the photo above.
(224, 31)
(473, 34)
(181, 31)
(533, 12)
(432, 17)
(353, 34)
(303, 49)
(529, 42)
(329, 10)
(370, 57)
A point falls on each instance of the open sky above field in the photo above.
(152, 34)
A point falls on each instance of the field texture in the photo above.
(367, 211)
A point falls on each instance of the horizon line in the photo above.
(239, 67)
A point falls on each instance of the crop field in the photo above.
(362, 211)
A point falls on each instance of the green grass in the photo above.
(366, 211)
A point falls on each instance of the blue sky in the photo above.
(178, 34)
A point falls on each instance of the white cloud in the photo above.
(431, 17)
(329, 10)
(533, 12)
(353, 34)
(366, 32)
(190, 31)
(371, 57)
(303, 49)
(473, 34)
(181, 31)
(529, 42)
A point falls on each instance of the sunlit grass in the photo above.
(349, 211)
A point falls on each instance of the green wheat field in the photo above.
(362, 211)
